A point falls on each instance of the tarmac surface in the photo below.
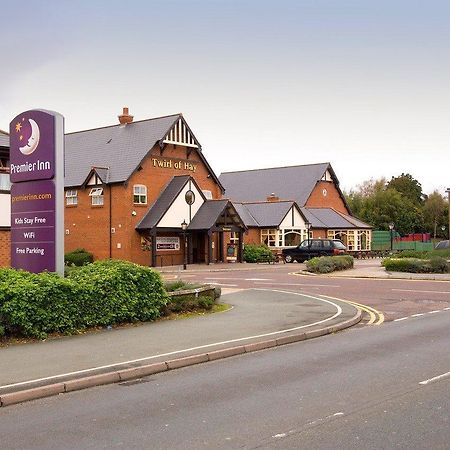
(259, 319)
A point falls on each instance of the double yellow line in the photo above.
(375, 317)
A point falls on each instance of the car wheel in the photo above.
(288, 258)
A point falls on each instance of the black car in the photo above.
(311, 248)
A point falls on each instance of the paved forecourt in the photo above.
(258, 316)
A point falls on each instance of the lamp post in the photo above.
(391, 229)
(308, 228)
(183, 227)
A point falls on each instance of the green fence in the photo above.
(381, 240)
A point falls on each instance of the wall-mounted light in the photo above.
(133, 213)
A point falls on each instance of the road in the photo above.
(371, 387)
(396, 299)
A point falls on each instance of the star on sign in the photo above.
(18, 126)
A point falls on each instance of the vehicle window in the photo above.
(326, 244)
(304, 244)
(339, 245)
(316, 244)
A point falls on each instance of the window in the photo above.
(234, 237)
(71, 197)
(96, 195)
(316, 244)
(269, 237)
(292, 238)
(140, 194)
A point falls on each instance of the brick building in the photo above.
(5, 211)
(285, 202)
(143, 191)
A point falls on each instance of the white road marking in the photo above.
(403, 318)
(223, 284)
(418, 315)
(425, 292)
(148, 358)
(439, 377)
(257, 279)
(302, 284)
(434, 312)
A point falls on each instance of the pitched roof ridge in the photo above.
(4, 132)
(279, 167)
(267, 201)
(120, 125)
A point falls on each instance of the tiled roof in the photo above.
(207, 215)
(268, 214)
(330, 218)
(119, 147)
(4, 140)
(288, 183)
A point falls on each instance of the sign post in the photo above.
(37, 191)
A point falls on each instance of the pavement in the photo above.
(258, 319)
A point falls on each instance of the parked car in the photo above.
(311, 248)
(442, 245)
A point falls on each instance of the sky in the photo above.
(361, 84)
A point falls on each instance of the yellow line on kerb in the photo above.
(376, 317)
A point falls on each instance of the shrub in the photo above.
(190, 302)
(439, 265)
(117, 291)
(414, 265)
(102, 293)
(255, 253)
(328, 264)
(179, 285)
(79, 257)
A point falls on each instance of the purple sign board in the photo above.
(37, 191)
(33, 226)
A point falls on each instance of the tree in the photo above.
(434, 210)
(409, 187)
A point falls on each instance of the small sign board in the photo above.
(167, 243)
(37, 191)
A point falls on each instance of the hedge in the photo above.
(423, 254)
(328, 264)
(79, 257)
(256, 253)
(416, 265)
(99, 294)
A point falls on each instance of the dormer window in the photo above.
(97, 198)
(139, 194)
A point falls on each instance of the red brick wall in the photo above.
(89, 226)
(331, 200)
(5, 248)
(252, 236)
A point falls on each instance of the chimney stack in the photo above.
(125, 118)
(273, 198)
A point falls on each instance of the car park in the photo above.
(310, 248)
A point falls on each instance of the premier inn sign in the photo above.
(37, 191)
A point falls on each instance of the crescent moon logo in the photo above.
(33, 141)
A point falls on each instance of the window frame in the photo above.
(97, 195)
(71, 196)
(141, 197)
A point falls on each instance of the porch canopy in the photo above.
(218, 216)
